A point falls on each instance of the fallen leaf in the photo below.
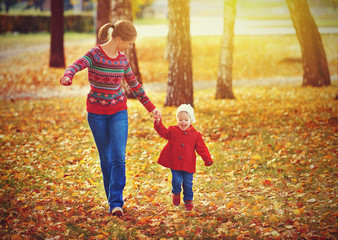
(312, 200)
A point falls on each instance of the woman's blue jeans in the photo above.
(110, 134)
(179, 177)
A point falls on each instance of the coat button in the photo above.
(180, 157)
(182, 144)
(185, 133)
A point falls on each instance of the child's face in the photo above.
(183, 120)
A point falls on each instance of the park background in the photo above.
(274, 146)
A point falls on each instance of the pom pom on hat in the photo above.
(186, 108)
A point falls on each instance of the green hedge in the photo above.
(28, 24)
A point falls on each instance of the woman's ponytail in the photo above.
(104, 30)
(122, 28)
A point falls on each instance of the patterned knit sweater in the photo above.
(105, 75)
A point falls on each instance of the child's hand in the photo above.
(65, 81)
(157, 115)
(208, 163)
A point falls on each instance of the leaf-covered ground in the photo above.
(274, 176)
(275, 149)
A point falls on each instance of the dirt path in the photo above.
(17, 48)
(63, 92)
(60, 91)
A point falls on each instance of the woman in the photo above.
(107, 103)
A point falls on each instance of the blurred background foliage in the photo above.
(155, 11)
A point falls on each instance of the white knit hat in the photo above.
(186, 108)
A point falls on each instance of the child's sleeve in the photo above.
(203, 151)
(161, 129)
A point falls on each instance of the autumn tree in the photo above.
(180, 85)
(224, 79)
(56, 58)
(103, 16)
(122, 9)
(316, 71)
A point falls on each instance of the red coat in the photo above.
(179, 153)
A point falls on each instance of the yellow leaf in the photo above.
(39, 207)
(100, 236)
(297, 211)
(60, 174)
(104, 233)
(144, 220)
(330, 157)
(91, 181)
(255, 207)
(257, 213)
(230, 205)
(273, 218)
(327, 213)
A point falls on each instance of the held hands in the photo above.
(157, 115)
(65, 81)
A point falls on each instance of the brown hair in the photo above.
(123, 29)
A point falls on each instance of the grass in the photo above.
(16, 40)
(255, 57)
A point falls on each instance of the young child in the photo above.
(179, 153)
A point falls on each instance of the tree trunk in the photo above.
(122, 10)
(224, 80)
(103, 16)
(56, 58)
(316, 71)
(180, 85)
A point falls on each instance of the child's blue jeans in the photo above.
(179, 177)
(110, 134)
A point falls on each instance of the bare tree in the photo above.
(56, 58)
(122, 10)
(224, 80)
(103, 16)
(316, 71)
(180, 85)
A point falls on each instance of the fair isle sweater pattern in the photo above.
(105, 75)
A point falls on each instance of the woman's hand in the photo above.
(157, 115)
(65, 81)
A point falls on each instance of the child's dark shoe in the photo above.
(176, 199)
(188, 205)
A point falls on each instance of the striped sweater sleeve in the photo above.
(136, 88)
(78, 65)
